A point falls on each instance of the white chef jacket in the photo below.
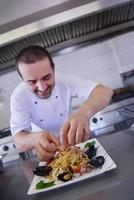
(46, 114)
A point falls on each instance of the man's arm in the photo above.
(97, 100)
(44, 143)
(76, 128)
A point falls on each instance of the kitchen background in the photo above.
(96, 42)
(103, 62)
(92, 39)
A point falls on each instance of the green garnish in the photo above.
(89, 144)
(42, 185)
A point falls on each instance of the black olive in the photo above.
(42, 170)
(65, 176)
(91, 152)
(97, 162)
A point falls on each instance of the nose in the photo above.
(41, 86)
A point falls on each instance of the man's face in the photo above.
(39, 77)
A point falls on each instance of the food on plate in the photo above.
(69, 163)
(42, 170)
(89, 144)
(97, 162)
(90, 150)
(41, 184)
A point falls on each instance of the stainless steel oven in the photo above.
(8, 151)
(115, 117)
(7, 148)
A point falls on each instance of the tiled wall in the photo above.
(102, 62)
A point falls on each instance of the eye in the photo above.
(32, 82)
(47, 77)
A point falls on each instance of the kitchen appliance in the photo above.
(1, 164)
(7, 147)
(8, 151)
(115, 117)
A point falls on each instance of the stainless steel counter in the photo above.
(118, 184)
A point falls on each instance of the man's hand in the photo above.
(45, 146)
(75, 129)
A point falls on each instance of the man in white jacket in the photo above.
(44, 99)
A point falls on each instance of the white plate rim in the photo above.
(108, 166)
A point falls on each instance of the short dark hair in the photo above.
(32, 54)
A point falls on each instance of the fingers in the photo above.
(76, 135)
(86, 133)
(53, 140)
(74, 131)
(82, 134)
(46, 146)
(72, 135)
(42, 154)
(63, 133)
(79, 134)
(86, 137)
(49, 142)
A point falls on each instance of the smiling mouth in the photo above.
(44, 94)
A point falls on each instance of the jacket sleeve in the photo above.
(20, 115)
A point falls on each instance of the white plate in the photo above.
(108, 165)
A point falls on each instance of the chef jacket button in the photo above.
(56, 97)
(35, 102)
(61, 114)
(41, 120)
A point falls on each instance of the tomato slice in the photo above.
(76, 169)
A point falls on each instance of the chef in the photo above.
(43, 100)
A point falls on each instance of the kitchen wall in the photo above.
(102, 62)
